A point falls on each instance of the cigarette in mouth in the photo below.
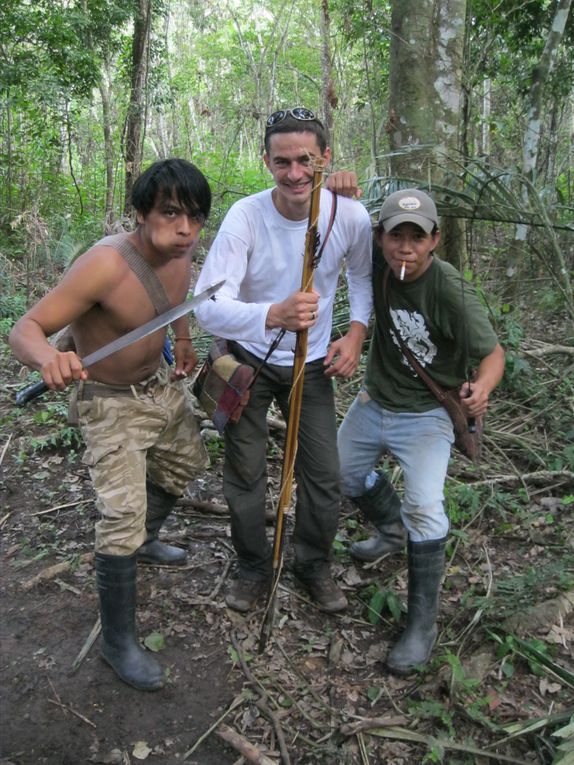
(403, 268)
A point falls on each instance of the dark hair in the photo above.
(169, 178)
(291, 125)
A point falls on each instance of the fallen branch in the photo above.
(243, 746)
(66, 708)
(214, 508)
(540, 476)
(546, 350)
(5, 518)
(351, 729)
(61, 507)
(235, 703)
(262, 702)
(52, 571)
(5, 449)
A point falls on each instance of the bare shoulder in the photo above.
(96, 271)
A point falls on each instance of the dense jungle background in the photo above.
(471, 99)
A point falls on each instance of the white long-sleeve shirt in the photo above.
(260, 254)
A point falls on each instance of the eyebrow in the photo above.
(306, 156)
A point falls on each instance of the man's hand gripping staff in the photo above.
(291, 439)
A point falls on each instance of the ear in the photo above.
(327, 155)
(140, 217)
(266, 160)
(435, 240)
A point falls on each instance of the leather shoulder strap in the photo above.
(141, 269)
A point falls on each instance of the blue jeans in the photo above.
(421, 443)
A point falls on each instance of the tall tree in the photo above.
(425, 95)
(135, 122)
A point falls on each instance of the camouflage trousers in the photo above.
(134, 432)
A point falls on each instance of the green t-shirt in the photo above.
(443, 324)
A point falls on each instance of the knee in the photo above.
(425, 522)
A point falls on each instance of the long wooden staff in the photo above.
(295, 400)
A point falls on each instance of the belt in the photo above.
(89, 390)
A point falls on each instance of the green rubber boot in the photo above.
(426, 568)
(159, 505)
(116, 580)
(382, 506)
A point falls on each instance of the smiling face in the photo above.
(408, 244)
(169, 230)
(290, 162)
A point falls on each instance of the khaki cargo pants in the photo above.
(134, 432)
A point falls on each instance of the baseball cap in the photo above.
(408, 206)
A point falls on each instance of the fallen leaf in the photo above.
(141, 750)
(546, 687)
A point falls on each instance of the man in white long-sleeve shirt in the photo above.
(259, 250)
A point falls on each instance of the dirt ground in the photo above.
(320, 690)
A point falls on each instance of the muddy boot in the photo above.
(381, 505)
(159, 505)
(426, 567)
(116, 579)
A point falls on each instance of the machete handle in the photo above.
(30, 393)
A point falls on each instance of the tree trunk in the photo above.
(136, 109)
(427, 45)
(327, 86)
(531, 138)
(109, 216)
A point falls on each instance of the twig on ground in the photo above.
(52, 571)
(351, 729)
(4, 519)
(66, 708)
(5, 448)
(242, 745)
(539, 475)
(219, 584)
(90, 640)
(62, 507)
(262, 702)
(213, 508)
(235, 703)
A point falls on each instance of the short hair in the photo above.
(173, 178)
(291, 125)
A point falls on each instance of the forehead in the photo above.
(294, 144)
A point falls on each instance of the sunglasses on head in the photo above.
(298, 113)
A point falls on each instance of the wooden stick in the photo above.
(90, 640)
(5, 449)
(52, 571)
(62, 507)
(235, 703)
(295, 401)
(213, 508)
(243, 746)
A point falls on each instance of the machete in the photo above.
(35, 390)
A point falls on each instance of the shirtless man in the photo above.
(142, 440)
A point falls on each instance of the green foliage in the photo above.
(378, 601)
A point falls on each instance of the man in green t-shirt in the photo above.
(441, 321)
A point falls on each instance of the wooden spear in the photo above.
(295, 400)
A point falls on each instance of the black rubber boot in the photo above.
(381, 505)
(116, 579)
(426, 567)
(160, 503)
